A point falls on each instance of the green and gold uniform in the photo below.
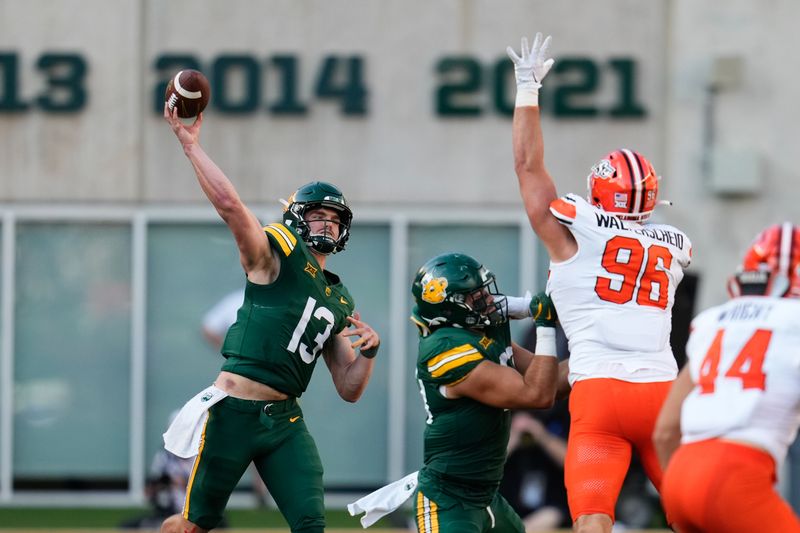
(280, 331)
(465, 440)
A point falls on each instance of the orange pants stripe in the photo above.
(724, 487)
(610, 419)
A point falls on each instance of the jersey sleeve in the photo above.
(699, 340)
(281, 238)
(343, 300)
(576, 213)
(450, 366)
(680, 245)
(565, 209)
(686, 259)
(347, 300)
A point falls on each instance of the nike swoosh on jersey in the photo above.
(294, 419)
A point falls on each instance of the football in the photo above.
(189, 91)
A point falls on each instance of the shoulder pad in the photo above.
(565, 209)
(282, 236)
(453, 362)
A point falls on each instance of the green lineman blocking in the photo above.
(470, 373)
(294, 311)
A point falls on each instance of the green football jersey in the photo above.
(465, 440)
(282, 328)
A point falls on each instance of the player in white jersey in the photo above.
(613, 281)
(735, 407)
(616, 294)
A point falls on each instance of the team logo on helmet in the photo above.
(434, 290)
(455, 290)
(604, 169)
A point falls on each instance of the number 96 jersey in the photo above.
(614, 296)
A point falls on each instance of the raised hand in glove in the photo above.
(543, 311)
(530, 68)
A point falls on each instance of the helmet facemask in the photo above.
(322, 241)
(313, 196)
(485, 306)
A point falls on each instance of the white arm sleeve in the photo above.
(519, 306)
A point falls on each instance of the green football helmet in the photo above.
(312, 196)
(455, 290)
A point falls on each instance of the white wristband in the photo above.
(527, 97)
(545, 342)
(519, 306)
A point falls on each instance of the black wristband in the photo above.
(369, 353)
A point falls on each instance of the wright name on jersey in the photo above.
(615, 295)
(745, 361)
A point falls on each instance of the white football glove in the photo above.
(530, 69)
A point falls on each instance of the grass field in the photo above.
(95, 520)
(106, 520)
(265, 530)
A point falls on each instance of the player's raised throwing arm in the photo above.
(535, 184)
(254, 250)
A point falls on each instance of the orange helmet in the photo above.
(771, 266)
(624, 183)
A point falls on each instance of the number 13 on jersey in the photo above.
(323, 315)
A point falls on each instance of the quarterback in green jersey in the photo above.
(470, 374)
(294, 311)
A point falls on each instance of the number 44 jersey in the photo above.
(744, 357)
(614, 296)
